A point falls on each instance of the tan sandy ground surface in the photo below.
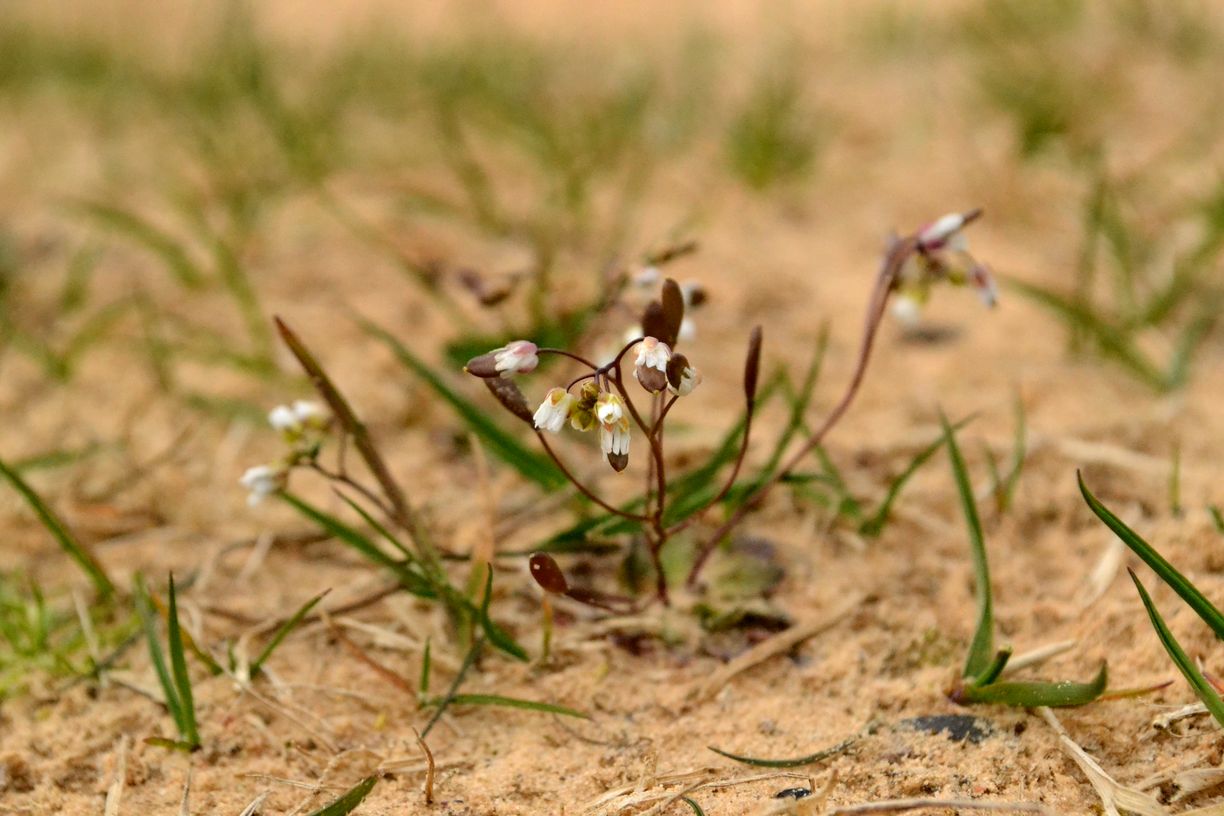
(907, 145)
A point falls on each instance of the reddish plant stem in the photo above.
(583, 489)
(885, 282)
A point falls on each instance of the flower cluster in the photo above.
(940, 252)
(301, 425)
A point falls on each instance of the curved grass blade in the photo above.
(874, 525)
(496, 635)
(504, 445)
(283, 632)
(797, 762)
(1209, 696)
(144, 608)
(1031, 695)
(514, 702)
(981, 648)
(697, 811)
(408, 578)
(350, 800)
(1180, 584)
(67, 541)
(178, 665)
(1112, 341)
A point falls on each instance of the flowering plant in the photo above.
(600, 397)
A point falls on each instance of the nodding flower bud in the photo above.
(554, 410)
(518, 357)
(651, 365)
(682, 378)
(609, 408)
(263, 481)
(940, 253)
(614, 440)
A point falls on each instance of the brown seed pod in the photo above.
(484, 366)
(547, 574)
(509, 395)
(752, 366)
(618, 461)
(673, 312)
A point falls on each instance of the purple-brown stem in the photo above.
(583, 489)
(875, 313)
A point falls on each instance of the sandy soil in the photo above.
(905, 150)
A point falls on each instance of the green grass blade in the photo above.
(533, 466)
(874, 525)
(283, 632)
(496, 635)
(410, 580)
(152, 238)
(1031, 695)
(697, 811)
(995, 668)
(1181, 585)
(1112, 341)
(426, 670)
(1019, 453)
(1217, 518)
(144, 608)
(981, 648)
(75, 550)
(178, 664)
(350, 800)
(1184, 664)
(819, 756)
(515, 702)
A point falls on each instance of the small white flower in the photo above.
(652, 353)
(688, 330)
(690, 378)
(310, 414)
(614, 437)
(647, 276)
(284, 419)
(609, 408)
(263, 481)
(943, 233)
(554, 410)
(907, 310)
(518, 357)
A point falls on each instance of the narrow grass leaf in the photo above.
(148, 620)
(152, 238)
(697, 811)
(501, 443)
(514, 702)
(981, 648)
(875, 524)
(1112, 341)
(1217, 518)
(284, 630)
(797, 762)
(178, 664)
(1031, 695)
(410, 580)
(496, 635)
(1181, 585)
(350, 800)
(67, 541)
(426, 669)
(1209, 696)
